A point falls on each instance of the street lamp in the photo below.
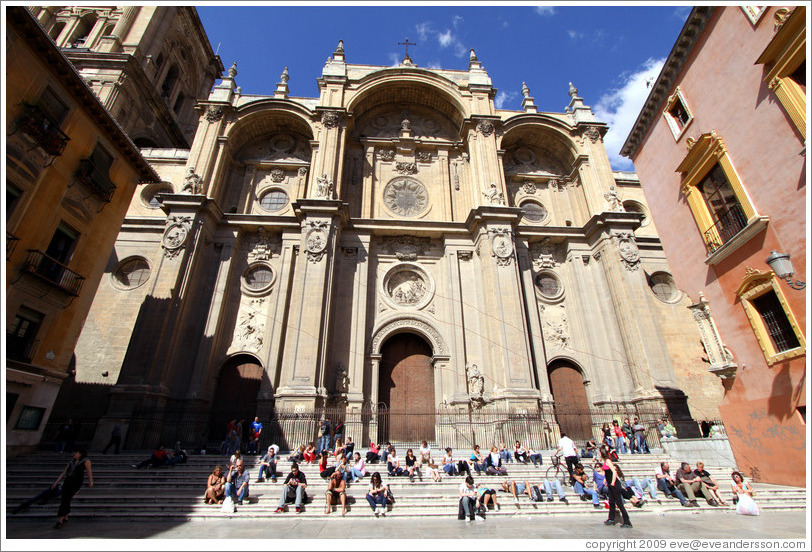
(782, 267)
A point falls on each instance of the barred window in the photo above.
(274, 200)
(776, 322)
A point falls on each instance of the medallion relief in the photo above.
(627, 248)
(407, 285)
(175, 235)
(502, 246)
(406, 197)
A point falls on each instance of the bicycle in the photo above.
(558, 470)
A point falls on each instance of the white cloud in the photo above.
(456, 21)
(446, 38)
(394, 58)
(574, 35)
(434, 65)
(503, 97)
(620, 107)
(423, 30)
(545, 11)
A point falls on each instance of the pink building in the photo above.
(720, 148)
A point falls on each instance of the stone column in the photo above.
(117, 37)
(310, 299)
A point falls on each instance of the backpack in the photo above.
(535, 494)
(613, 455)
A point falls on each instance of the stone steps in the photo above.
(176, 493)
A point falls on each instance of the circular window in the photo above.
(258, 277)
(131, 273)
(635, 207)
(273, 200)
(149, 196)
(548, 285)
(663, 287)
(533, 212)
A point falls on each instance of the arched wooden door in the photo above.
(236, 394)
(571, 403)
(406, 389)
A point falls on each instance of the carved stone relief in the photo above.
(592, 133)
(485, 128)
(528, 188)
(330, 119)
(248, 334)
(386, 154)
(406, 288)
(493, 195)
(502, 246)
(406, 248)
(192, 182)
(262, 245)
(547, 254)
(405, 167)
(418, 124)
(316, 239)
(556, 328)
(524, 160)
(175, 235)
(437, 341)
(627, 248)
(406, 197)
(342, 379)
(476, 383)
(277, 175)
(324, 188)
(424, 156)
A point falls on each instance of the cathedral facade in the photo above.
(396, 244)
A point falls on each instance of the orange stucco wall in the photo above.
(726, 92)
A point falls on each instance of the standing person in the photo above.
(338, 432)
(336, 492)
(620, 442)
(63, 436)
(237, 482)
(232, 440)
(72, 478)
(614, 485)
(256, 431)
(115, 438)
(628, 435)
(294, 489)
(640, 437)
(567, 447)
(607, 434)
(325, 430)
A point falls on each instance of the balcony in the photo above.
(95, 179)
(52, 271)
(11, 244)
(725, 228)
(34, 122)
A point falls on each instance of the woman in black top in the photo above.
(412, 467)
(72, 478)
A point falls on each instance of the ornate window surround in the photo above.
(754, 285)
(754, 13)
(781, 57)
(676, 130)
(705, 152)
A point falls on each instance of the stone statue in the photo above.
(476, 381)
(342, 379)
(324, 188)
(494, 196)
(612, 197)
(192, 182)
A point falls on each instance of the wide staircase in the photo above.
(176, 493)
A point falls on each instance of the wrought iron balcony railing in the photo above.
(11, 244)
(95, 179)
(37, 124)
(53, 272)
(725, 227)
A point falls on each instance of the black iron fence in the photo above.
(459, 428)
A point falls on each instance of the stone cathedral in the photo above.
(398, 244)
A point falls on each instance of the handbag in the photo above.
(228, 506)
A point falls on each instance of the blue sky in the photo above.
(608, 52)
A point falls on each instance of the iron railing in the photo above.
(459, 429)
(725, 227)
(95, 179)
(53, 272)
(11, 244)
(37, 124)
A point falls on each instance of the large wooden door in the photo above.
(571, 403)
(406, 389)
(236, 394)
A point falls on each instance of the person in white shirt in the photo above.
(425, 453)
(520, 453)
(468, 499)
(567, 447)
(358, 469)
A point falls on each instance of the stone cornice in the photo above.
(32, 33)
(682, 49)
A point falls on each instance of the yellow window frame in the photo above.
(781, 57)
(755, 284)
(705, 152)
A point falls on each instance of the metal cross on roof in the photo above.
(407, 44)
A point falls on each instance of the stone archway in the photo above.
(572, 410)
(406, 389)
(236, 393)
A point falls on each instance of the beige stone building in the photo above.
(396, 245)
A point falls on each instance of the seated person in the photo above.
(215, 486)
(267, 466)
(297, 456)
(349, 448)
(158, 459)
(516, 488)
(689, 484)
(177, 456)
(449, 466)
(589, 450)
(425, 453)
(486, 495)
(310, 453)
(740, 487)
(393, 463)
(534, 456)
(668, 485)
(469, 500)
(358, 469)
(325, 471)
(376, 496)
(550, 485)
(293, 489)
(336, 492)
(493, 463)
(582, 488)
(505, 454)
(599, 481)
(385, 451)
(340, 449)
(237, 482)
(520, 453)
(711, 483)
(412, 465)
(434, 472)
(373, 455)
(640, 487)
(476, 460)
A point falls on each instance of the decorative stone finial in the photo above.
(573, 91)
(525, 90)
(232, 71)
(285, 76)
(340, 46)
(472, 56)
